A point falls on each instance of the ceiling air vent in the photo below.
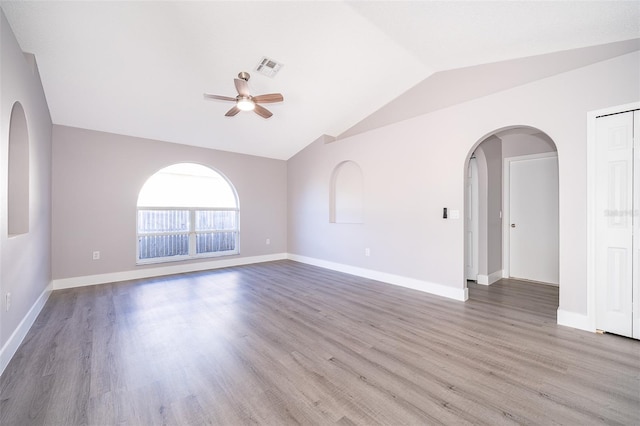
(268, 67)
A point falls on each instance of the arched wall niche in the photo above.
(18, 173)
(347, 194)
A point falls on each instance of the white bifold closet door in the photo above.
(617, 224)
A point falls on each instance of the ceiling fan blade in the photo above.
(242, 87)
(262, 111)
(268, 98)
(219, 97)
(233, 111)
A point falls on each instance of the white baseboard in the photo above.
(574, 320)
(460, 294)
(491, 278)
(162, 270)
(9, 349)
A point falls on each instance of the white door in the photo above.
(472, 224)
(614, 223)
(533, 219)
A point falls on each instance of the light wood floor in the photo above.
(285, 343)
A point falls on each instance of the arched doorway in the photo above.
(505, 246)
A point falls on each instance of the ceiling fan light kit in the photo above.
(244, 101)
(246, 104)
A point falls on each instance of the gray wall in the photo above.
(96, 180)
(25, 266)
(415, 167)
(516, 143)
(489, 155)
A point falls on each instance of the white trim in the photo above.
(460, 294)
(591, 206)
(491, 278)
(575, 320)
(471, 220)
(165, 270)
(592, 115)
(506, 219)
(11, 346)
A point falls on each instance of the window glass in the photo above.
(187, 185)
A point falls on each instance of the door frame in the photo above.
(589, 323)
(506, 217)
(471, 193)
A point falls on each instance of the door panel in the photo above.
(614, 221)
(533, 214)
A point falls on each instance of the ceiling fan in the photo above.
(244, 101)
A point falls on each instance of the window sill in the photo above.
(172, 259)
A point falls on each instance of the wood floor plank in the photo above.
(284, 343)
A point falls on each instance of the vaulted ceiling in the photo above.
(141, 68)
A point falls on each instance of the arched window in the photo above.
(187, 211)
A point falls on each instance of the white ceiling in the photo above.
(140, 68)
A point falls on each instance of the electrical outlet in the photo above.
(7, 301)
(367, 252)
(268, 241)
(96, 255)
